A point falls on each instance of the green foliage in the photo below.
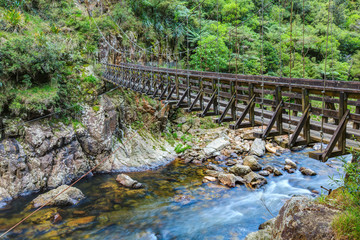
(14, 19)
(211, 55)
(181, 148)
(34, 102)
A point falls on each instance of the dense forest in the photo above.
(51, 50)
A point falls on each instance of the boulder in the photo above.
(71, 196)
(277, 172)
(229, 180)
(258, 147)
(269, 168)
(264, 173)
(240, 170)
(289, 169)
(252, 162)
(216, 145)
(255, 180)
(212, 166)
(209, 179)
(127, 181)
(307, 171)
(303, 218)
(264, 233)
(271, 148)
(212, 173)
(290, 163)
(230, 162)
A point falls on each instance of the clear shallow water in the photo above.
(174, 205)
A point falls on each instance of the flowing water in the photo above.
(175, 204)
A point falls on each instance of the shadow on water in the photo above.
(175, 204)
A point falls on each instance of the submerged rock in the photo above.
(212, 173)
(252, 162)
(264, 173)
(229, 179)
(307, 171)
(71, 196)
(128, 182)
(212, 166)
(240, 170)
(277, 172)
(290, 163)
(258, 147)
(255, 180)
(207, 179)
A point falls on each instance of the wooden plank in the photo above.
(300, 126)
(275, 116)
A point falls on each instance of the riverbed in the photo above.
(175, 204)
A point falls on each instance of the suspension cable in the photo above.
(324, 79)
(262, 65)
(303, 36)
(290, 66)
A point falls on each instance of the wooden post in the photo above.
(215, 88)
(202, 94)
(278, 99)
(233, 104)
(342, 109)
(177, 86)
(252, 107)
(357, 111)
(305, 102)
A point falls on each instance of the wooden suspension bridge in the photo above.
(248, 100)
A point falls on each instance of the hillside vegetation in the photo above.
(50, 50)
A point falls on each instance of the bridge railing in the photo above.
(231, 94)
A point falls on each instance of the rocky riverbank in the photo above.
(46, 154)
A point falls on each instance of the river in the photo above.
(175, 204)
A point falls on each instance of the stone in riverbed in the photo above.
(289, 169)
(307, 171)
(230, 162)
(229, 180)
(207, 179)
(255, 180)
(264, 173)
(290, 163)
(128, 182)
(258, 147)
(70, 197)
(57, 218)
(212, 166)
(216, 145)
(240, 170)
(269, 168)
(212, 173)
(277, 172)
(252, 162)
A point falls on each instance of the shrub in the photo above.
(181, 148)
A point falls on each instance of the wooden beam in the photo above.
(300, 126)
(197, 98)
(275, 116)
(239, 123)
(324, 156)
(180, 102)
(207, 108)
(227, 108)
(305, 103)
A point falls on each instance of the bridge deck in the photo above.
(241, 98)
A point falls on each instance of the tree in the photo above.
(212, 54)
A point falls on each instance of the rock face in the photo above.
(45, 156)
(302, 218)
(70, 197)
(258, 147)
(216, 145)
(252, 163)
(299, 219)
(127, 181)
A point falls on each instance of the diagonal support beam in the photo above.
(300, 126)
(274, 117)
(197, 98)
(227, 108)
(171, 93)
(238, 123)
(211, 102)
(179, 104)
(324, 156)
